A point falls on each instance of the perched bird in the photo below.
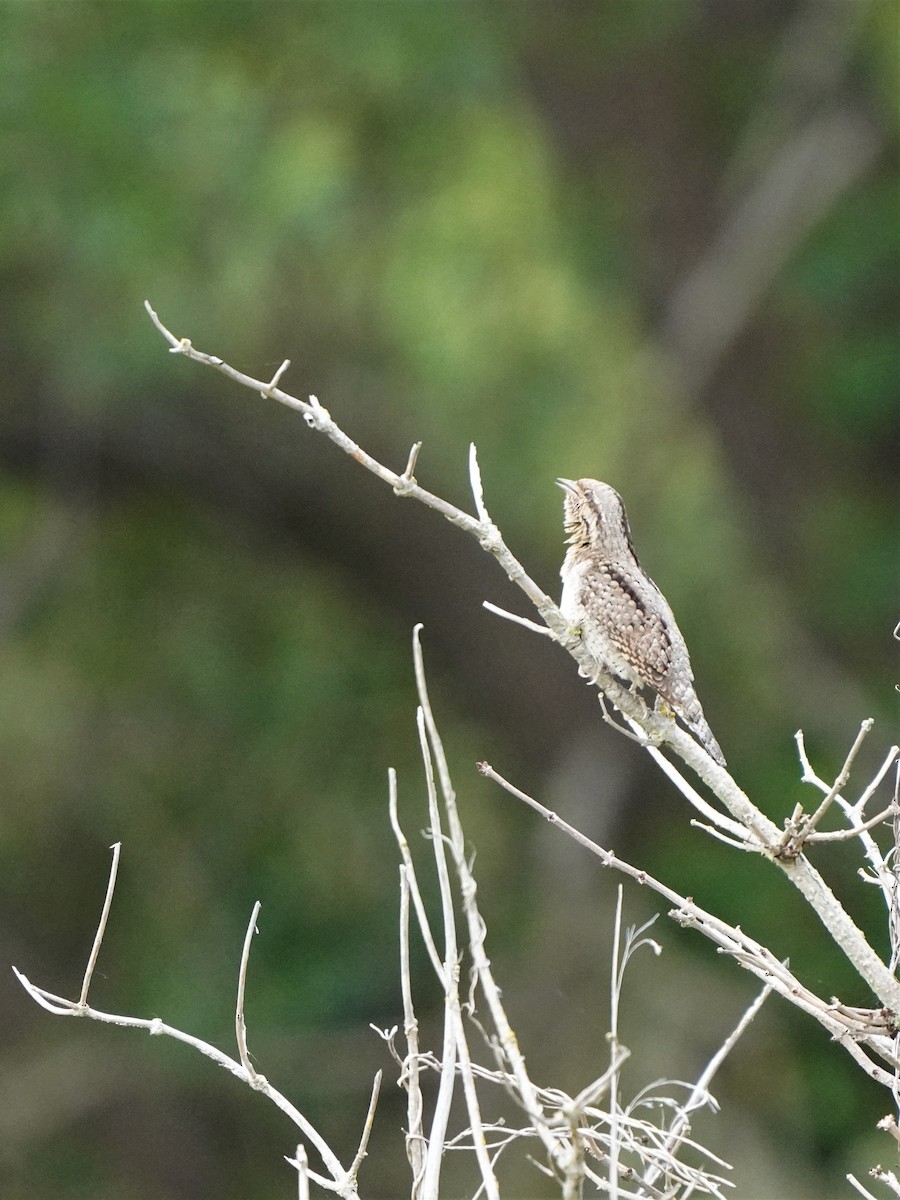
(623, 617)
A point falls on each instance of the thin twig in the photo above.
(508, 616)
(844, 835)
(415, 1132)
(416, 1142)
(477, 487)
(301, 1162)
(891, 892)
(412, 882)
(700, 1093)
(888, 1178)
(276, 378)
(882, 875)
(859, 807)
(720, 819)
(863, 1191)
(808, 775)
(101, 927)
(441, 1115)
(636, 734)
(367, 1128)
(722, 837)
(240, 1024)
(408, 475)
(615, 982)
(841, 781)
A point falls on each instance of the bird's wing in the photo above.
(630, 621)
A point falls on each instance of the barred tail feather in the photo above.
(700, 727)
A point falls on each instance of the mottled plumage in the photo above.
(623, 617)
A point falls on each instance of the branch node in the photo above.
(489, 538)
(317, 417)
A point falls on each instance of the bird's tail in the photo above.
(699, 725)
(689, 710)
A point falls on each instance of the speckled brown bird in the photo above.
(624, 619)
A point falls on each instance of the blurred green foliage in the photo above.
(463, 222)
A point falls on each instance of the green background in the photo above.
(650, 241)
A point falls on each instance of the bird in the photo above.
(623, 618)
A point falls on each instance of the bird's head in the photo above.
(594, 517)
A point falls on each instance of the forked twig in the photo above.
(807, 826)
(342, 1182)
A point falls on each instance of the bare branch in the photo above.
(482, 528)
(888, 1178)
(340, 1182)
(849, 1028)
(882, 875)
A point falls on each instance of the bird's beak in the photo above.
(568, 485)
